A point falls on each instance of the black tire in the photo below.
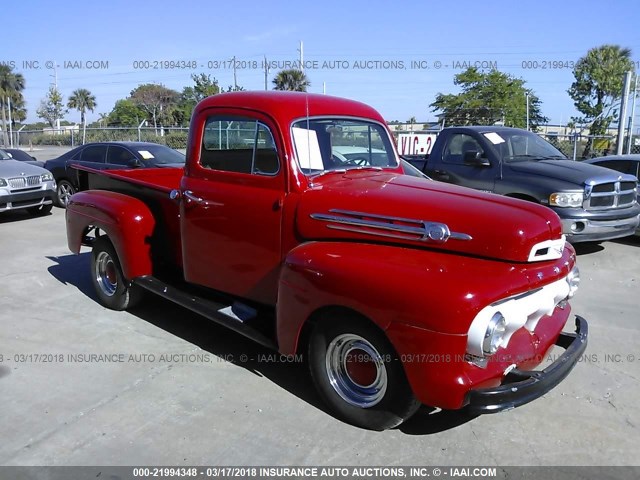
(40, 210)
(64, 190)
(384, 398)
(113, 290)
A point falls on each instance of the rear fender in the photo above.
(127, 222)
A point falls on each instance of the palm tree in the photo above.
(104, 119)
(597, 86)
(11, 84)
(82, 100)
(293, 80)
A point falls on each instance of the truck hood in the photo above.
(569, 171)
(392, 208)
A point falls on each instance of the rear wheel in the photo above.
(40, 210)
(64, 191)
(358, 373)
(112, 288)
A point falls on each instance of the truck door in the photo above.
(452, 167)
(231, 208)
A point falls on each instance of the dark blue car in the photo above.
(108, 156)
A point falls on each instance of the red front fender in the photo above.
(387, 284)
(127, 222)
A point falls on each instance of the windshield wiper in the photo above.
(344, 170)
(366, 167)
(325, 172)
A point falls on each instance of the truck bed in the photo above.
(152, 186)
(162, 179)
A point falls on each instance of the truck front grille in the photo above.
(21, 182)
(605, 196)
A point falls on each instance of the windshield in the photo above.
(160, 155)
(326, 144)
(519, 146)
(4, 155)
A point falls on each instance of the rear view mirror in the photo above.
(475, 159)
(135, 163)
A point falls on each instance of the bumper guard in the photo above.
(522, 386)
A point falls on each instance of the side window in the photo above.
(457, 145)
(77, 155)
(621, 166)
(239, 145)
(119, 156)
(94, 153)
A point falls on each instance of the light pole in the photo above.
(623, 112)
(527, 95)
(633, 113)
(55, 84)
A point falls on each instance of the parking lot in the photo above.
(82, 385)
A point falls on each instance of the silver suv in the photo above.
(24, 186)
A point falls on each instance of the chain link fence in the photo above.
(577, 147)
(580, 147)
(174, 137)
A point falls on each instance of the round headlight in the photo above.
(495, 331)
(573, 279)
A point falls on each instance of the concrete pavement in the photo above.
(82, 385)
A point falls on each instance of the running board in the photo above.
(230, 316)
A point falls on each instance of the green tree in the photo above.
(489, 98)
(204, 86)
(18, 108)
(125, 113)
(52, 107)
(82, 100)
(598, 87)
(11, 86)
(293, 80)
(157, 100)
(104, 118)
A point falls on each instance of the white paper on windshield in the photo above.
(145, 154)
(494, 138)
(307, 148)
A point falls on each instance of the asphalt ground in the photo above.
(180, 390)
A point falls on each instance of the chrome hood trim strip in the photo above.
(386, 226)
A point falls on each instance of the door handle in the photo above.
(192, 199)
(441, 174)
(188, 194)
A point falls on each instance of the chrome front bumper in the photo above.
(522, 386)
(587, 230)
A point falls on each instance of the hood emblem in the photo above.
(387, 226)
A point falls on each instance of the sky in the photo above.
(395, 56)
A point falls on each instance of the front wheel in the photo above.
(113, 290)
(358, 374)
(64, 191)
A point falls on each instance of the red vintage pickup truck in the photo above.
(293, 224)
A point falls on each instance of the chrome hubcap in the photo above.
(356, 370)
(64, 193)
(106, 274)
